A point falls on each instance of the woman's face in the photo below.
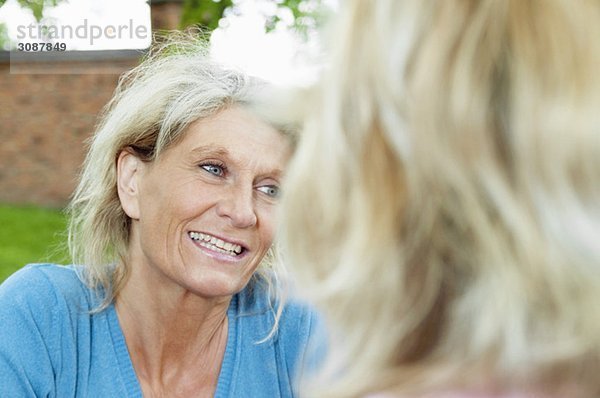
(203, 213)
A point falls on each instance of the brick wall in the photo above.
(45, 120)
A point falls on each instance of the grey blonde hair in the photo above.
(154, 103)
(443, 205)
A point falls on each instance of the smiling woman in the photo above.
(205, 196)
(172, 226)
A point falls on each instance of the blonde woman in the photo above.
(443, 206)
(176, 291)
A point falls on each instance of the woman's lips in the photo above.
(218, 246)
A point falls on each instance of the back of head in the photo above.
(444, 202)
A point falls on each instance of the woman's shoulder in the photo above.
(43, 284)
(300, 317)
(40, 275)
(295, 338)
(296, 315)
(46, 334)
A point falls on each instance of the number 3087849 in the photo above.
(41, 47)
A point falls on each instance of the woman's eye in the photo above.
(214, 169)
(270, 190)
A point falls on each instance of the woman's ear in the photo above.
(128, 173)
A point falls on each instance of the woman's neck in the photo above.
(176, 339)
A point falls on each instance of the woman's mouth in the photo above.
(216, 244)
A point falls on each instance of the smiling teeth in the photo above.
(216, 244)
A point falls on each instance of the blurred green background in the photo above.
(31, 234)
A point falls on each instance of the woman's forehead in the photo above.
(238, 135)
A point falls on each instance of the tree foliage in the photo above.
(203, 13)
(37, 6)
(305, 14)
(4, 40)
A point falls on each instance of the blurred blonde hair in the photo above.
(154, 104)
(443, 205)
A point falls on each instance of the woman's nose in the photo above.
(237, 204)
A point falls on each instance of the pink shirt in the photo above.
(465, 394)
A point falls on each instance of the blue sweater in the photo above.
(52, 346)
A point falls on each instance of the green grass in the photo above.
(30, 234)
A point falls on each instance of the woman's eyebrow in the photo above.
(210, 150)
(222, 152)
(274, 173)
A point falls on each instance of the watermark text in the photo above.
(85, 30)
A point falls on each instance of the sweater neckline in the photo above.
(228, 364)
(130, 381)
